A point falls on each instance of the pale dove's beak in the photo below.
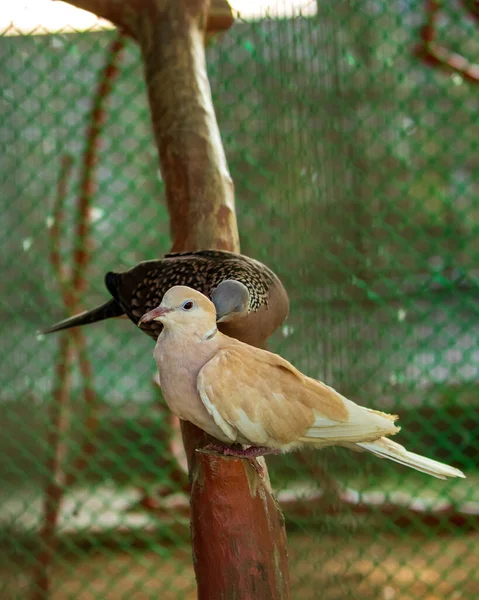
(154, 315)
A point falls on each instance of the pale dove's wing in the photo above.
(258, 398)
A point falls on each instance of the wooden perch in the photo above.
(238, 535)
(239, 541)
(198, 185)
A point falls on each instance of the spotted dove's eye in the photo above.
(188, 305)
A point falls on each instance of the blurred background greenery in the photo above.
(355, 167)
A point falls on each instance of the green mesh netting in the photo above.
(355, 165)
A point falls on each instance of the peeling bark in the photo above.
(198, 185)
(237, 528)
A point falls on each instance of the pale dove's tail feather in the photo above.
(385, 448)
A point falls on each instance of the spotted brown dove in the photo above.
(141, 288)
(255, 402)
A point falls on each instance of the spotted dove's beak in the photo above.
(154, 315)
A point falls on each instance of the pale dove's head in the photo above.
(184, 308)
(231, 299)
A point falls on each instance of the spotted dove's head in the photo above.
(231, 299)
(184, 308)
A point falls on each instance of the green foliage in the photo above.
(354, 166)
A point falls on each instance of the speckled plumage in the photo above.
(141, 289)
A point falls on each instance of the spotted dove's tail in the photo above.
(386, 448)
(105, 311)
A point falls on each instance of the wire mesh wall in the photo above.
(354, 164)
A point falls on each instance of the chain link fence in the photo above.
(355, 164)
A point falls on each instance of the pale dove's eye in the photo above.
(188, 305)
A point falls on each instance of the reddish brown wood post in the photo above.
(238, 534)
(237, 527)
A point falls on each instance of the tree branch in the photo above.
(124, 13)
(198, 185)
(238, 535)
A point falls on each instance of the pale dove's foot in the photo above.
(238, 451)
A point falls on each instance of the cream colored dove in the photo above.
(256, 402)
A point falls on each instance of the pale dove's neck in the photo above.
(180, 354)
